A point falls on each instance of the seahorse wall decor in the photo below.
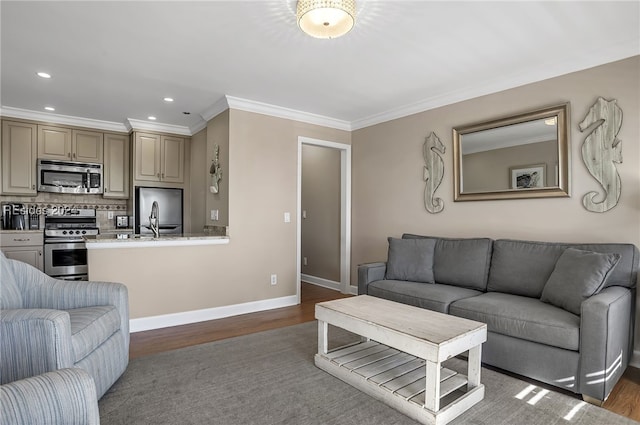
(601, 150)
(215, 170)
(433, 172)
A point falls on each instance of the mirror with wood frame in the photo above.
(519, 156)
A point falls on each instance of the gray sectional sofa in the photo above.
(559, 313)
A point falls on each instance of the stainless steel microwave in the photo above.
(69, 177)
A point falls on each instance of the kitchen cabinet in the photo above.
(159, 158)
(65, 144)
(116, 166)
(24, 246)
(19, 156)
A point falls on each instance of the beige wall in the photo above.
(387, 171)
(198, 179)
(321, 201)
(218, 134)
(489, 170)
(262, 175)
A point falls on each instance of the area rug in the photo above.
(270, 378)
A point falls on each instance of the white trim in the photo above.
(194, 316)
(345, 208)
(215, 109)
(325, 283)
(200, 125)
(614, 53)
(635, 359)
(287, 113)
(9, 112)
(159, 127)
(155, 243)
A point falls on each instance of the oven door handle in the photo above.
(60, 240)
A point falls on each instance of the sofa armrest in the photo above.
(34, 341)
(605, 340)
(66, 396)
(368, 273)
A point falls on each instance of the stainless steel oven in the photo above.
(65, 252)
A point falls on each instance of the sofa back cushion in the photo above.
(10, 296)
(460, 262)
(410, 260)
(523, 267)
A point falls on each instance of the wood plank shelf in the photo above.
(400, 373)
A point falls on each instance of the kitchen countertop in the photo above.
(106, 241)
(21, 231)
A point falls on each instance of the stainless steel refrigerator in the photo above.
(169, 210)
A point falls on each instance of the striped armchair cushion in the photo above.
(10, 297)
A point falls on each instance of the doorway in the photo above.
(344, 150)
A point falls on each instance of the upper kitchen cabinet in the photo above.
(159, 158)
(64, 144)
(19, 156)
(116, 166)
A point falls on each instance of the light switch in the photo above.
(214, 214)
(304, 213)
(287, 217)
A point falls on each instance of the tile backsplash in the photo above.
(102, 206)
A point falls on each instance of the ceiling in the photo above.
(116, 61)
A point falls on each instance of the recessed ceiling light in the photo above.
(49, 108)
(168, 99)
(43, 75)
(152, 118)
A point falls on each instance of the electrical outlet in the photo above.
(274, 279)
(110, 215)
(214, 215)
(304, 261)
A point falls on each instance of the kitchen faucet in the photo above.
(154, 224)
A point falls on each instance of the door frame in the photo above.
(345, 210)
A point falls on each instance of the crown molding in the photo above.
(281, 112)
(200, 125)
(620, 51)
(158, 127)
(215, 109)
(7, 111)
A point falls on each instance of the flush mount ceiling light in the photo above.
(326, 18)
(49, 108)
(168, 99)
(43, 75)
(151, 117)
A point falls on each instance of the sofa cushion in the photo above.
(522, 317)
(578, 274)
(434, 297)
(10, 296)
(460, 262)
(523, 267)
(90, 327)
(411, 259)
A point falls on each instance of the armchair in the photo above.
(65, 396)
(49, 324)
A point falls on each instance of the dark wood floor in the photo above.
(624, 399)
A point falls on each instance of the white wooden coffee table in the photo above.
(399, 358)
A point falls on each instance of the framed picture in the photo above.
(528, 176)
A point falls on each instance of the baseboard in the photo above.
(186, 317)
(635, 359)
(325, 283)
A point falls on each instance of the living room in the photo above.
(259, 151)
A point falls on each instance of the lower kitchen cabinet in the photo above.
(24, 246)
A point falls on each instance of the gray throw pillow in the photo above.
(411, 259)
(578, 274)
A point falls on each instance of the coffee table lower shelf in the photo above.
(399, 380)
